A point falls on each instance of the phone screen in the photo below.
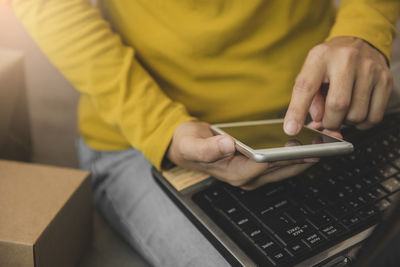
(271, 135)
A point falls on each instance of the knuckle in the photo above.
(370, 67)
(356, 117)
(182, 149)
(303, 85)
(387, 79)
(203, 154)
(318, 51)
(337, 104)
(349, 53)
(375, 118)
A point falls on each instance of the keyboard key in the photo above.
(298, 214)
(396, 163)
(332, 230)
(391, 156)
(255, 233)
(367, 212)
(367, 181)
(363, 199)
(273, 190)
(215, 194)
(339, 210)
(266, 244)
(391, 184)
(297, 248)
(315, 204)
(279, 221)
(231, 211)
(280, 257)
(378, 192)
(294, 232)
(382, 205)
(272, 208)
(243, 222)
(394, 197)
(251, 229)
(387, 171)
(320, 219)
(313, 239)
(376, 177)
(350, 220)
(354, 203)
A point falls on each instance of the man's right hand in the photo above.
(195, 147)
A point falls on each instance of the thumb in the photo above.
(207, 149)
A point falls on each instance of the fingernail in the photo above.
(292, 127)
(226, 146)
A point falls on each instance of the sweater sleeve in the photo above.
(81, 44)
(371, 20)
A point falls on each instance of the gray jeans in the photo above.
(125, 192)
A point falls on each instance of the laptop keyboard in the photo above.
(283, 223)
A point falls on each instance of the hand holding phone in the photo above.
(195, 146)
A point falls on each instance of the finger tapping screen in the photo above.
(264, 136)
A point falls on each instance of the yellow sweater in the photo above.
(145, 66)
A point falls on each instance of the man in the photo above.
(153, 80)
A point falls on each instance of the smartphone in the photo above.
(265, 141)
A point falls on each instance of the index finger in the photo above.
(306, 87)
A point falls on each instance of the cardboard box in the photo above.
(45, 215)
(15, 141)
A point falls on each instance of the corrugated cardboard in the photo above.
(15, 142)
(45, 215)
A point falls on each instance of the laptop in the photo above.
(322, 217)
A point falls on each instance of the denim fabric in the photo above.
(125, 192)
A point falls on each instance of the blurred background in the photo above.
(52, 100)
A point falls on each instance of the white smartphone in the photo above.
(265, 141)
